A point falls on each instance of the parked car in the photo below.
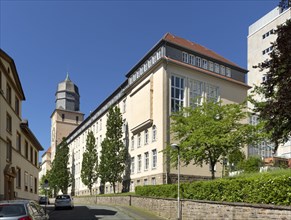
(64, 201)
(43, 200)
(21, 210)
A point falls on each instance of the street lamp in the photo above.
(177, 147)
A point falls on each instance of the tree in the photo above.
(89, 171)
(274, 108)
(113, 154)
(210, 132)
(251, 165)
(60, 176)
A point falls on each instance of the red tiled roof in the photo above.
(197, 48)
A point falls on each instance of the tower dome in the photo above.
(67, 95)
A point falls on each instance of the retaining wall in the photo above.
(167, 208)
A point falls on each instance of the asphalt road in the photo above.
(81, 212)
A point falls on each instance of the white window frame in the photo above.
(185, 57)
(146, 161)
(204, 64)
(146, 137)
(177, 86)
(154, 133)
(211, 67)
(154, 158)
(198, 62)
(139, 163)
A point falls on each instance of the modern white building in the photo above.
(260, 37)
(171, 74)
(19, 148)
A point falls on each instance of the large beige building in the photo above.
(171, 74)
(19, 148)
(260, 37)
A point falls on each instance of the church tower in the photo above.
(66, 116)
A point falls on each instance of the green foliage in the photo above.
(276, 90)
(60, 176)
(43, 191)
(261, 188)
(209, 132)
(234, 158)
(113, 153)
(89, 171)
(250, 165)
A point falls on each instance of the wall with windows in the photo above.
(260, 38)
(18, 147)
(164, 79)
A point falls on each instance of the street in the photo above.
(86, 213)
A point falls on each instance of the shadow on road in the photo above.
(79, 213)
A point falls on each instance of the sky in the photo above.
(98, 42)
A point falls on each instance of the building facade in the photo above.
(46, 163)
(171, 74)
(260, 36)
(19, 148)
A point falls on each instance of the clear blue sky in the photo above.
(98, 42)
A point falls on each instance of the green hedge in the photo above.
(266, 188)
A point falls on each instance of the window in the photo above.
(185, 57)
(63, 117)
(228, 72)
(124, 105)
(124, 126)
(198, 62)
(222, 70)
(8, 123)
(212, 93)
(153, 181)
(18, 142)
(17, 111)
(154, 160)
(77, 119)
(9, 150)
(177, 93)
(210, 66)
(145, 182)
(138, 163)
(26, 150)
(154, 133)
(35, 158)
(18, 177)
(204, 64)
(196, 89)
(146, 160)
(216, 67)
(26, 181)
(138, 140)
(191, 59)
(35, 185)
(31, 183)
(146, 137)
(132, 165)
(31, 154)
(132, 142)
(8, 93)
(100, 124)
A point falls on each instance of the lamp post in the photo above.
(176, 147)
